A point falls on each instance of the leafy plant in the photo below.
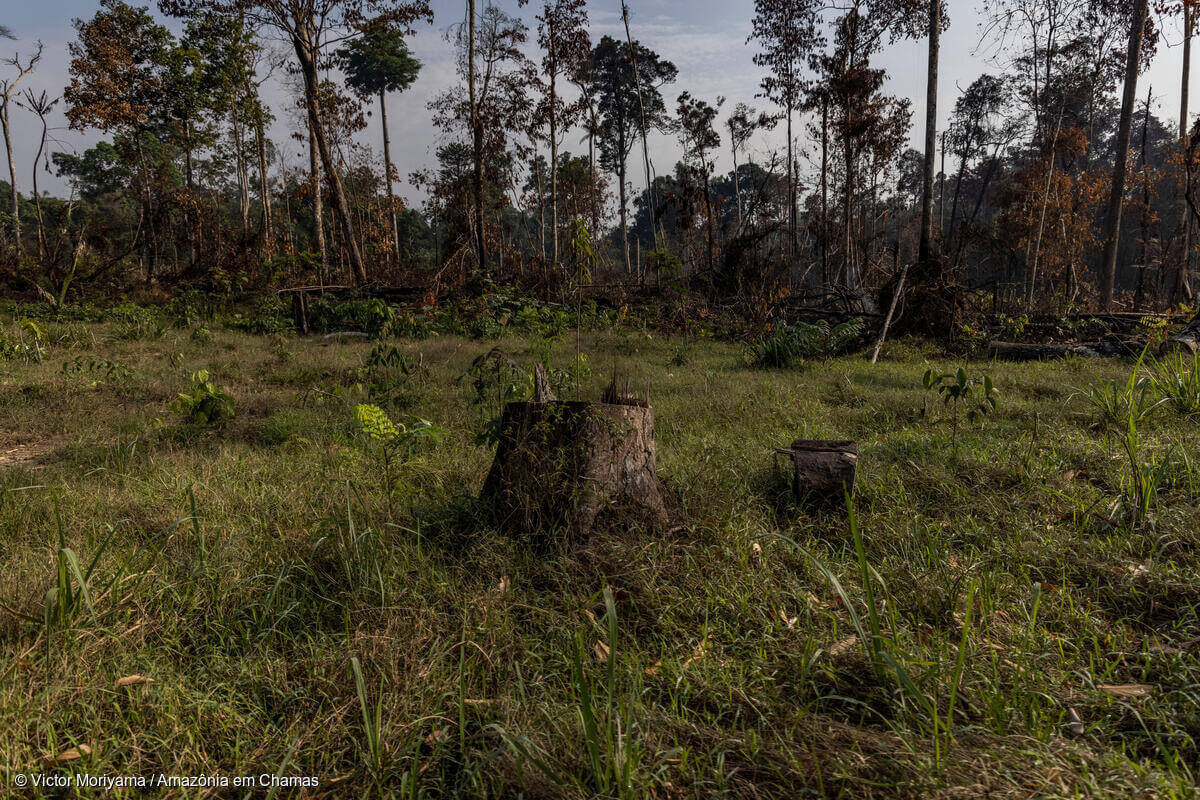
(104, 368)
(205, 404)
(392, 442)
(979, 395)
(789, 345)
(1012, 328)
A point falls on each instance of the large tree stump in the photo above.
(1186, 342)
(822, 471)
(560, 465)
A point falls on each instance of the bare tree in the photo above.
(40, 104)
(8, 91)
(1108, 267)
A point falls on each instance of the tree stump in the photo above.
(561, 465)
(822, 471)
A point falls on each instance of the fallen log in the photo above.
(562, 465)
(822, 471)
(1022, 351)
(1186, 341)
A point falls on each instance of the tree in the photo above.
(742, 124)
(1108, 267)
(8, 91)
(310, 26)
(971, 127)
(788, 34)
(863, 121)
(698, 138)
(628, 101)
(488, 111)
(562, 35)
(41, 105)
(931, 97)
(119, 85)
(375, 63)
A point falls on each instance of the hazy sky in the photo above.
(706, 39)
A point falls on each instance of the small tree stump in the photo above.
(560, 465)
(822, 471)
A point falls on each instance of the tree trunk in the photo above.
(637, 85)
(12, 174)
(925, 252)
(553, 173)
(307, 54)
(822, 471)
(621, 200)
(37, 198)
(314, 167)
(476, 143)
(791, 185)
(243, 176)
(825, 189)
(264, 183)
(561, 465)
(1185, 258)
(737, 183)
(1108, 267)
(708, 215)
(1141, 275)
(387, 166)
(847, 234)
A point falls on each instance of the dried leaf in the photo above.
(697, 654)
(133, 680)
(601, 650)
(843, 646)
(1075, 723)
(1126, 690)
(789, 621)
(73, 754)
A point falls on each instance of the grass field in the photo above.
(1009, 626)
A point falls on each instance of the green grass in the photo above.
(292, 625)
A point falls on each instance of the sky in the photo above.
(705, 39)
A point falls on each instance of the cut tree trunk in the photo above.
(822, 471)
(561, 465)
(1021, 351)
(1187, 341)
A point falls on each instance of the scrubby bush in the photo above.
(205, 404)
(789, 345)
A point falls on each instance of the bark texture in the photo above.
(562, 465)
(822, 471)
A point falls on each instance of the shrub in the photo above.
(205, 404)
(979, 395)
(789, 345)
(372, 317)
